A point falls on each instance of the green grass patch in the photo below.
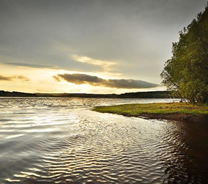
(154, 108)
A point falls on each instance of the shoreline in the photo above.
(176, 117)
(166, 111)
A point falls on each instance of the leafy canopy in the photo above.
(186, 73)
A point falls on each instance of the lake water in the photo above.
(61, 140)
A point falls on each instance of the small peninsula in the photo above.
(169, 111)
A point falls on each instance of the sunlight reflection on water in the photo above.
(60, 140)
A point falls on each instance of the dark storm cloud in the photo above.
(14, 77)
(96, 81)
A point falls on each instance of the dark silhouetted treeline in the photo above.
(16, 94)
(152, 94)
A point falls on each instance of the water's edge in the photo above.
(61, 140)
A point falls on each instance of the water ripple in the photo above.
(59, 140)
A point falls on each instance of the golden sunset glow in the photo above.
(101, 48)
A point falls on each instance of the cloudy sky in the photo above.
(89, 46)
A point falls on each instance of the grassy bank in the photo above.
(174, 111)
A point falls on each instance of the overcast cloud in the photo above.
(132, 38)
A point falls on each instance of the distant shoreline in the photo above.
(167, 111)
(148, 94)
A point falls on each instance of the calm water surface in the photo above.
(60, 140)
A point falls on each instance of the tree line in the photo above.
(186, 73)
(149, 94)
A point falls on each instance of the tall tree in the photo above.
(186, 73)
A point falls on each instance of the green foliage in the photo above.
(186, 73)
